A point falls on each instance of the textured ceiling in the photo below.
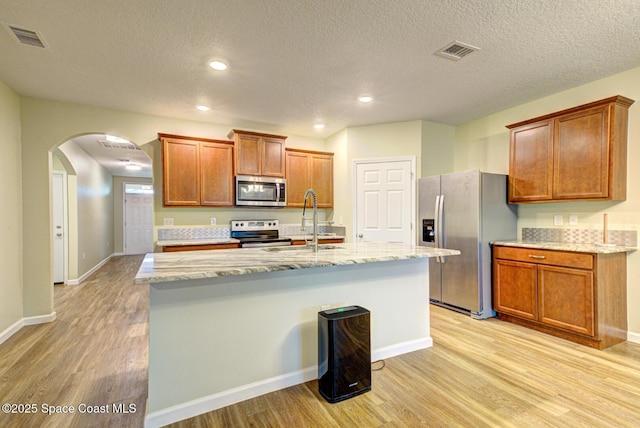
(293, 63)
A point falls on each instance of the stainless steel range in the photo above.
(258, 233)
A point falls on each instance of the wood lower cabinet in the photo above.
(196, 171)
(574, 154)
(259, 154)
(309, 170)
(576, 296)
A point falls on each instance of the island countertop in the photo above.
(167, 267)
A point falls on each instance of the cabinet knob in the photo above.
(360, 235)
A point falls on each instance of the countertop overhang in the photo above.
(567, 246)
(180, 266)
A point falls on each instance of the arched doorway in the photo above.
(97, 165)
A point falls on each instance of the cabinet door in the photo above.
(180, 173)
(272, 162)
(515, 288)
(248, 154)
(567, 298)
(531, 162)
(322, 179)
(581, 155)
(216, 165)
(298, 179)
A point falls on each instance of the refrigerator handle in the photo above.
(436, 216)
(440, 231)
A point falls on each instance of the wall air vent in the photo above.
(26, 37)
(456, 50)
(122, 146)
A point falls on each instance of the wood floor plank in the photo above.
(478, 373)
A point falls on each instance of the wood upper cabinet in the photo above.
(196, 171)
(309, 170)
(576, 296)
(259, 154)
(574, 154)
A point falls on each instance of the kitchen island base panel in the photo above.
(217, 341)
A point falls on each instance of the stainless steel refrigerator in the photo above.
(464, 211)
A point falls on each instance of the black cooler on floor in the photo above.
(344, 352)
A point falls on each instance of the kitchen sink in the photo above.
(302, 248)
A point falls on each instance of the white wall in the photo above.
(484, 144)
(11, 303)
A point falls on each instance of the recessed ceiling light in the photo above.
(202, 108)
(218, 65)
(319, 125)
(365, 98)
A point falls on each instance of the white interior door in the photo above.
(138, 220)
(59, 226)
(385, 200)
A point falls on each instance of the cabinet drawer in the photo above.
(545, 257)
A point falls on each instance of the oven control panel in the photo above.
(248, 225)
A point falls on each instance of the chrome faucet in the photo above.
(314, 243)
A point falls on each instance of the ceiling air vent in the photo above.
(122, 146)
(456, 50)
(26, 37)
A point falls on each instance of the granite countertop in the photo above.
(203, 241)
(566, 246)
(177, 266)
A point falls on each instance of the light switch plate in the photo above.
(557, 220)
(573, 220)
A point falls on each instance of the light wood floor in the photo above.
(478, 374)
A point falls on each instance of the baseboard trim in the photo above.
(15, 327)
(79, 281)
(226, 398)
(633, 337)
(401, 348)
(245, 392)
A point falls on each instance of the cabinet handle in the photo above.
(536, 257)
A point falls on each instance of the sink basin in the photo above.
(302, 248)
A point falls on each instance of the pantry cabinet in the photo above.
(259, 154)
(574, 154)
(576, 296)
(307, 169)
(196, 171)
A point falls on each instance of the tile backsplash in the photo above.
(214, 232)
(625, 238)
(194, 232)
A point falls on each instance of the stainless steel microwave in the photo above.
(260, 191)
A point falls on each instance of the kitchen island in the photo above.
(229, 325)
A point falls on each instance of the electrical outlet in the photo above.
(168, 221)
(557, 220)
(213, 220)
(573, 220)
